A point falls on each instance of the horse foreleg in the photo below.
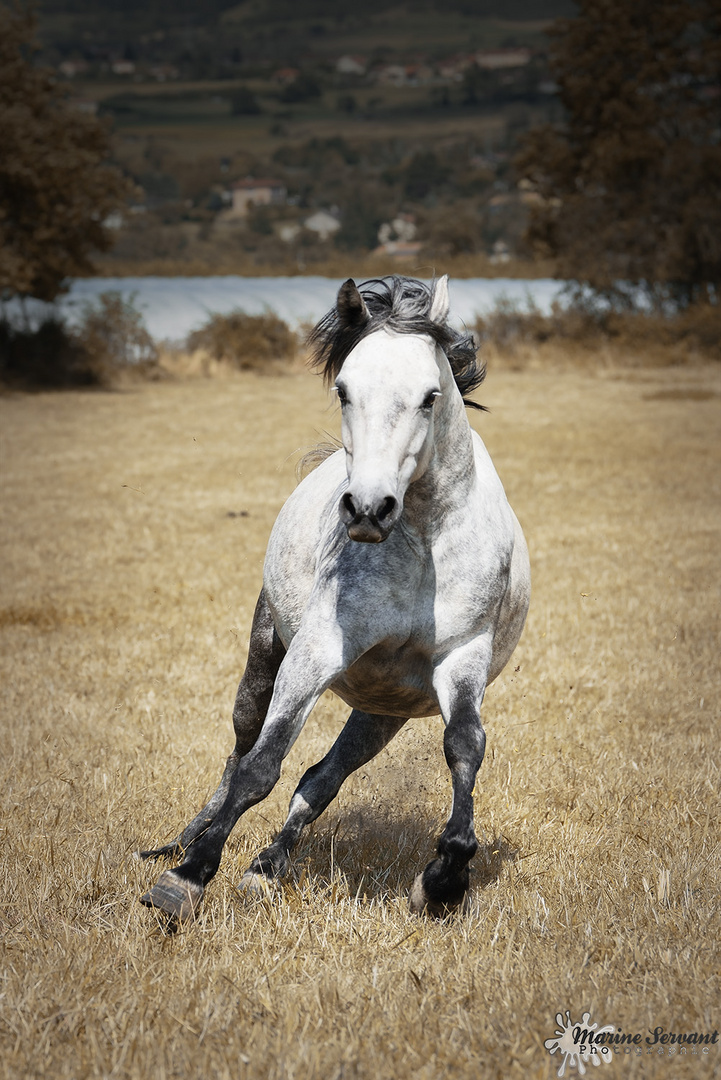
(265, 654)
(304, 674)
(363, 736)
(443, 885)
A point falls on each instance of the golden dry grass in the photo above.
(133, 535)
(333, 264)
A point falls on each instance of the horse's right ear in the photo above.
(350, 306)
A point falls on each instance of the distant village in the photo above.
(418, 73)
(288, 201)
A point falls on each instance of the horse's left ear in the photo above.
(441, 302)
(350, 306)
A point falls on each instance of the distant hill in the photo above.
(211, 37)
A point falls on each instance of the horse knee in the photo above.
(248, 716)
(255, 778)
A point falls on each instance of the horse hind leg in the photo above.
(363, 736)
(265, 654)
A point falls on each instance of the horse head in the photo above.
(387, 387)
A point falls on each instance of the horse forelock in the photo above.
(403, 305)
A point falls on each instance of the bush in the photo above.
(243, 102)
(109, 339)
(694, 332)
(303, 88)
(48, 357)
(112, 333)
(245, 341)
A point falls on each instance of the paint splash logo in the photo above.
(578, 1051)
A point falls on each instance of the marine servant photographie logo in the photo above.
(582, 1043)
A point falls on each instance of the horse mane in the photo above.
(401, 304)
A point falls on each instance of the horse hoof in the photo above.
(254, 886)
(175, 896)
(421, 904)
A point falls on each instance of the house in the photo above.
(391, 74)
(351, 65)
(72, 68)
(122, 67)
(399, 249)
(252, 192)
(451, 69)
(289, 231)
(163, 72)
(402, 228)
(493, 59)
(287, 75)
(84, 105)
(323, 223)
(500, 253)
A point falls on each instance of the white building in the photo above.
(251, 192)
(351, 65)
(493, 59)
(324, 223)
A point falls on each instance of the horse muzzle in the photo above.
(367, 524)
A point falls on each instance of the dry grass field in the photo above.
(133, 533)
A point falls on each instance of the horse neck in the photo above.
(450, 475)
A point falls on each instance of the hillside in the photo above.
(412, 110)
(219, 38)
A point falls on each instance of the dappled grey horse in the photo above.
(396, 574)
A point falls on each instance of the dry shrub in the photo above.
(247, 342)
(584, 331)
(112, 334)
(108, 344)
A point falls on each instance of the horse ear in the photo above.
(441, 302)
(351, 309)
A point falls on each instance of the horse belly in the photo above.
(389, 682)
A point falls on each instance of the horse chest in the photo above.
(391, 679)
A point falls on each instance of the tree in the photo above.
(56, 184)
(243, 102)
(630, 182)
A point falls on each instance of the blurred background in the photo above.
(524, 139)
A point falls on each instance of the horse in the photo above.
(396, 575)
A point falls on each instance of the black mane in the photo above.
(401, 304)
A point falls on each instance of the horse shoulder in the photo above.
(473, 554)
(304, 526)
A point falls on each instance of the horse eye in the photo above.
(429, 399)
(342, 396)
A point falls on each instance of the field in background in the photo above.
(133, 535)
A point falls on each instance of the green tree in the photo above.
(631, 180)
(303, 88)
(243, 102)
(56, 184)
(424, 175)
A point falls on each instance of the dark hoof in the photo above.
(169, 851)
(175, 896)
(254, 886)
(421, 903)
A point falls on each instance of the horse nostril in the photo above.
(348, 504)
(387, 507)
